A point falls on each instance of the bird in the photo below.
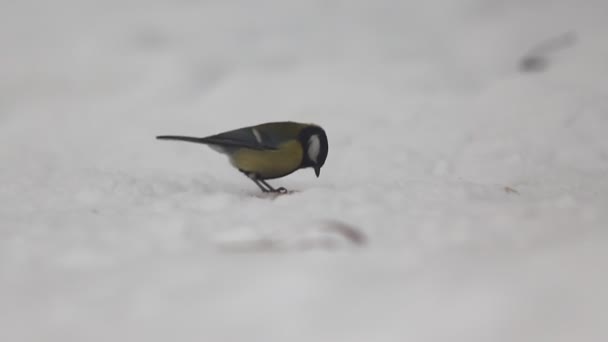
(268, 151)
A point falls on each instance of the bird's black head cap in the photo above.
(315, 145)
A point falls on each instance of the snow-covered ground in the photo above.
(462, 200)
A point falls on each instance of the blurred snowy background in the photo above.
(465, 196)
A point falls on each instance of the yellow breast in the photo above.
(270, 163)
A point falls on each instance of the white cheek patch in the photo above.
(314, 146)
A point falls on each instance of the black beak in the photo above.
(317, 171)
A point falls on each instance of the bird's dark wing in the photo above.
(248, 137)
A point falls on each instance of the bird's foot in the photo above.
(280, 190)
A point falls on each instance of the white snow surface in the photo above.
(462, 199)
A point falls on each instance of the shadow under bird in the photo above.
(268, 151)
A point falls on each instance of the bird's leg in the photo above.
(280, 190)
(257, 182)
(265, 187)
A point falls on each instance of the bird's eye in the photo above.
(314, 146)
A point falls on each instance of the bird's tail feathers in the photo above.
(182, 138)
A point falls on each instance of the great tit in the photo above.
(270, 150)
